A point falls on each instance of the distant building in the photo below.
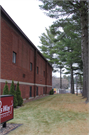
(22, 61)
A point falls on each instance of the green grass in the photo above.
(61, 114)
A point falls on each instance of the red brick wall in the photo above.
(25, 54)
(49, 75)
(11, 41)
(25, 90)
(40, 78)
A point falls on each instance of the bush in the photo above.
(5, 89)
(12, 92)
(18, 94)
(51, 92)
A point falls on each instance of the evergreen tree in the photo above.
(6, 90)
(12, 92)
(18, 94)
(70, 50)
(47, 41)
(74, 10)
(51, 92)
(48, 49)
(67, 50)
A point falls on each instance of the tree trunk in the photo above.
(88, 56)
(84, 45)
(72, 80)
(76, 85)
(60, 78)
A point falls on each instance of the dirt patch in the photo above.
(9, 128)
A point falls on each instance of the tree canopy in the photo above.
(76, 13)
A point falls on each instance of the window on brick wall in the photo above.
(14, 57)
(37, 70)
(30, 94)
(36, 91)
(30, 66)
(23, 75)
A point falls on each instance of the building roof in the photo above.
(11, 21)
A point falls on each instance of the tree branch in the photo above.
(76, 6)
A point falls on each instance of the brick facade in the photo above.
(27, 55)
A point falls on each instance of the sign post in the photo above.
(6, 109)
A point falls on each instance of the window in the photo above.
(37, 91)
(14, 57)
(30, 94)
(37, 70)
(44, 73)
(30, 66)
(23, 75)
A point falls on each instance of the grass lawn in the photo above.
(60, 114)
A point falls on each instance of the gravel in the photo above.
(9, 127)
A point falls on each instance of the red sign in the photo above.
(6, 108)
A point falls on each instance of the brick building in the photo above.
(22, 61)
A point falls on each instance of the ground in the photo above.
(59, 114)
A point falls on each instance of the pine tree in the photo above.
(18, 94)
(67, 49)
(12, 92)
(48, 49)
(74, 10)
(47, 41)
(6, 90)
(70, 49)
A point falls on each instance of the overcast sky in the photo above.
(29, 17)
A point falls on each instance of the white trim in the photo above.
(39, 84)
(23, 83)
(30, 97)
(37, 96)
(48, 85)
(24, 99)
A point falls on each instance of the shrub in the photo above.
(12, 92)
(18, 94)
(51, 92)
(5, 89)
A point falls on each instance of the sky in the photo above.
(29, 17)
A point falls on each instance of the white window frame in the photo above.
(14, 57)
